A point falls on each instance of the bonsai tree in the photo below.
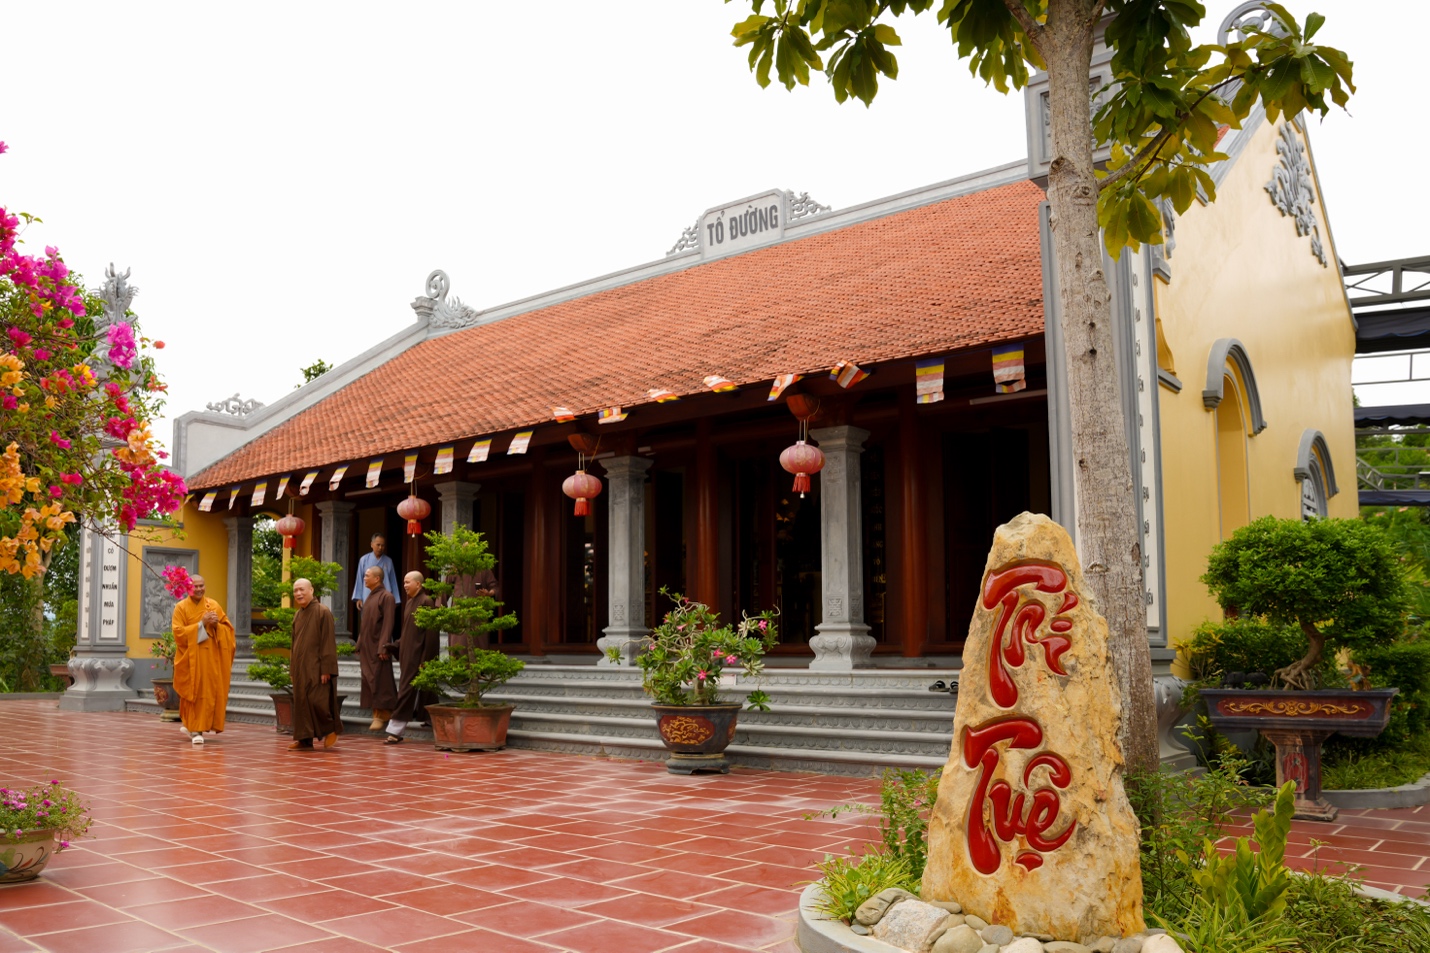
(164, 650)
(468, 669)
(273, 647)
(686, 654)
(1338, 581)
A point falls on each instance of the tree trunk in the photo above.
(1300, 674)
(1107, 533)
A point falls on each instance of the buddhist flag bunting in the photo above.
(846, 374)
(928, 380)
(1008, 368)
(480, 449)
(282, 488)
(519, 442)
(781, 382)
(409, 467)
(660, 395)
(561, 415)
(337, 477)
(232, 496)
(207, 503)
(719, 384)
(259, 492)
(374, 472)
(444, 461)
(307, 483)
(610, 415)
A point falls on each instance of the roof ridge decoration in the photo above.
(1292, 191)
(802, 206)
(234, 405)
(437, 311)
(795, 207)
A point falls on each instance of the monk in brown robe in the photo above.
(379, 689)
(314, 667)
(415, 647)
(203, 662)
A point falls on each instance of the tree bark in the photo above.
(1298, 676)
(1106, 517)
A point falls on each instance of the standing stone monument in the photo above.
(1032, 828)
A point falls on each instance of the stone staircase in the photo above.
(829, 722)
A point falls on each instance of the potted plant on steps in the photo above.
(273, 647)
(468, 669)
(164, 649)
(681, 667)
(1332, 586)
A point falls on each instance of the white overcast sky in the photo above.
(281, 177)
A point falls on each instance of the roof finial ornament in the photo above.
(437, 285)
(117, 294)
(1247, 17)
(441, 311)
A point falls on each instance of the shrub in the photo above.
(846, 882)
(272, 646)
(1216, 649)
(906, 796)
(1404, 664)
(686, 654)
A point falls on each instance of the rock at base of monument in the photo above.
(961, 939)
(1025, 944)
(871, 911)
(691, 763)
(912, 925)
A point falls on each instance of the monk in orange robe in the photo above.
(203, 662)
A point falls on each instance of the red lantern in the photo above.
(802, 459)
(290, 528)
(581, 487)
(414, 509)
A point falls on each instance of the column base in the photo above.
(101, 682)
(628, 641)
(842, 647)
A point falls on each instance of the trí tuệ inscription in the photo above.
(1032, 828)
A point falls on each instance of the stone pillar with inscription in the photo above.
(240, 582)
(625, 559)
(456, 498)
(1032, 828)
(843, 642)
(100, 666)
(333, 545)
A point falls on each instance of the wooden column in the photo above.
(913, 585)
(543, 580)
(705, 557)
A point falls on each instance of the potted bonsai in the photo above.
(468, 670)
(274, 646)
(35, 824)
(681, 667)
(163, 649)
(1338, 585)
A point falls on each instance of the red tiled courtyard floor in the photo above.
(240, 846)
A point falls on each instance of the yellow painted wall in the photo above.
(203, 532)
(1239, 270)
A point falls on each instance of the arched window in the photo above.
(1315, 474)
(1231, 394)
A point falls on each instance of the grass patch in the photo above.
(1352, 770)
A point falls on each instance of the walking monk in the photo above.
(314, 667)
(379, 689)
(203, 662)
(414, 648)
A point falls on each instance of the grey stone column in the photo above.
(100, 666)
(333, 547)
(843, 642)
(456, 498)
(240, 582)
(625, 559)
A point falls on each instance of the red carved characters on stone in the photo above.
(1017, 625)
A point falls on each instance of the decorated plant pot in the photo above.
(283, 712)
(23, 859)
(456, 728)
(1297, 723)
(167, 698)
(696, 736)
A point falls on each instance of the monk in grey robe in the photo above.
(415, 647)
(314, 668)
(379, 689)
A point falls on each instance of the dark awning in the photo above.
(1395, 497)
(1403, 329)
(1401, 415)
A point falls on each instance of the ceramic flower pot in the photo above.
(696, 736)
(23, 859)
(167, 698)
(469, 729)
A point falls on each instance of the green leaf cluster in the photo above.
(1256, 881)
(846, 882)
(686, 654)
(272, 646)
(1246, 644)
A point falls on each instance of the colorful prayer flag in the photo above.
(259, 492)
(928, 380)
(207, 503)
(337, 477)
(480, 449)
(660, 395)
(846, 374)
(232, 496)
(444, 461)
(307, 482)
(519, 442)
(718, 384)
(561, 415)
(374, 473)
(409, 467)
(781, 382)
(610, 415)
(1008, 368)
(282, 488)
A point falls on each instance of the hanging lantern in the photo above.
(414, 509)
(802, 459)
(290, 528)
(582, 487)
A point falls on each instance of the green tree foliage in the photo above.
(273, 646)
(314, 371)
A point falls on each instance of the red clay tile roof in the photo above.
(961, 273)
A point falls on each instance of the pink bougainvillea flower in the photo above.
(21, 338)
(56, 492)
(9, 402)
(73, 479)
(59, 441)
(122, 350)
(41, 354)
(4, 148)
